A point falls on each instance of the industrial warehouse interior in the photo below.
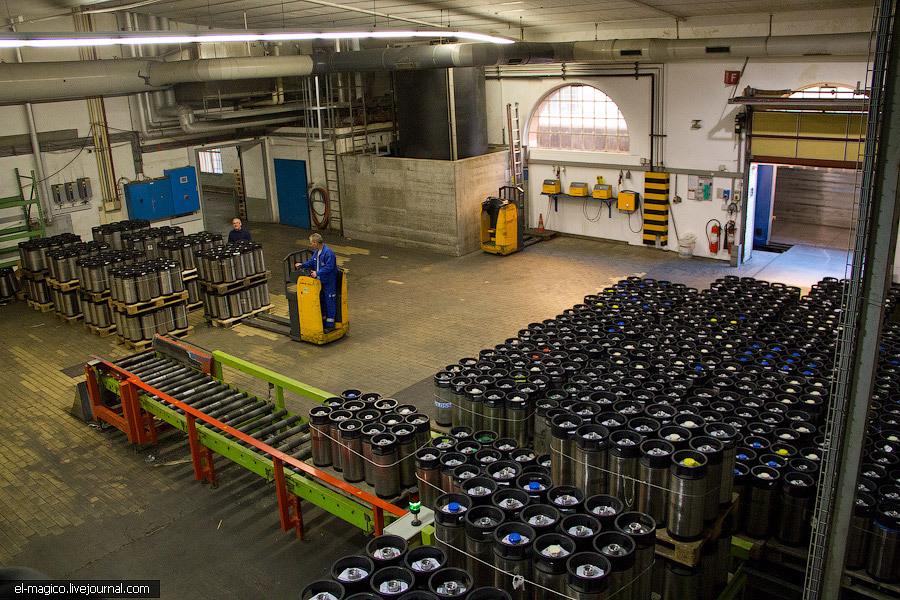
(620, 274)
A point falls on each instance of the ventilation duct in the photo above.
(49, 81)
(441, 115)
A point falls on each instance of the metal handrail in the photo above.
(280, 382)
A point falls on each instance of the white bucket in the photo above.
(686, 245)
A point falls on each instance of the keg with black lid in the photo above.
(653, 478)
(591, 444)
(860, 531)
(581, 528)
(480, 523)
(423, 561)
(619, 549)
(883, 563)
(797, 497)
(641, 528)
(588, 576)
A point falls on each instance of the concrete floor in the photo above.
(79, 502)
(819, 236)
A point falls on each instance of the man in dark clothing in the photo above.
(324, 267)
(239, 232)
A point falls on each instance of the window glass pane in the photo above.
(579, 117)
(829, 91)
(210, 161)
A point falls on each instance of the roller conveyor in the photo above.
(173, 385)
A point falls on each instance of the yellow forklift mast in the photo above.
(503, 221)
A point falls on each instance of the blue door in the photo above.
(765, 196)
(290, 185)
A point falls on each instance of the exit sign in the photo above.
(732, 77)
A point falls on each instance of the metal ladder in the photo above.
(239, 194)
(516, 175)
(330, 153)
(320, 131)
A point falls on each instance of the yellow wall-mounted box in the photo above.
(627, 201)
(551, 186)
(578, 188)
(602, 191)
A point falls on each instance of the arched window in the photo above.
(579, 117)
(831, 91)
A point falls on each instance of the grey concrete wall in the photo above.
(476, 179)
(225, 180)
(400, 201)
(259, 210)
(433, 205)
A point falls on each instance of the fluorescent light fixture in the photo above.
(509, 3)
(56, 40)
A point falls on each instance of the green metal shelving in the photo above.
(28, 228)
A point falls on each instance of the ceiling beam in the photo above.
(373, 13)
(646, 5)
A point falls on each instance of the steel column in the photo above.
(141, 426)
(201, 456)
(871, 276)
(287, 501)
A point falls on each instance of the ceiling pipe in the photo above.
(49, 81)
(660, 51)
(144, 118)
(189, 124)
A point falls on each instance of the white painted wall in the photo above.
(254, 171)
(230, 161)
(690, 90)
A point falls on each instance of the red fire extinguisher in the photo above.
(729, 236)
(713, 233)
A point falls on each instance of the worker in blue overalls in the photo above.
(323, 265)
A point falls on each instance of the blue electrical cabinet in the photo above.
(185, 198)
(174, 194)
(149, 200)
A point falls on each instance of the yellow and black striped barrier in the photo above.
(656, 208)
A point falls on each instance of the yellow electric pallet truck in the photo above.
(503, 223)
(306, 305)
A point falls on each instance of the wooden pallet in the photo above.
(64, 286)
(95, 297)
(228, 323)
(20, 294)
(67, 318)
(194, 306)
(40, 306)
(35, 275)
(101, 331)
(144, 344)
(189, 274)
(688, 553)
(863, 584)
(795, 558)
(222, 289)
(142, 307)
